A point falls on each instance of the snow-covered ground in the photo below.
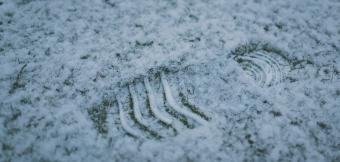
(172, 80)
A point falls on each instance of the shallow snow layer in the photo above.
(263, 75)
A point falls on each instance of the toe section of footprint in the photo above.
(151, 108)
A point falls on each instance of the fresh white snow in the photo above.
(64, 62)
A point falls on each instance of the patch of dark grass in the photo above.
(24, 2)
(85, 57)
(266, 28)
(98, 114)
(16, 113)
(69, 151)
(246, 48)
(68, 82)
(26, 100)
(196, 39)
(279, 25)
(110, 3)
(9, 14)
(323, 125)
(337, 92)
(6, 147)
(193, 17)
(138, 26)
(17, 84)
(144, 44)
(248, 138)
(261, 151)
(276, 113)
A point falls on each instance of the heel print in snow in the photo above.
(147, 108)
(267, 66)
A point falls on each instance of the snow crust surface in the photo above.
(63, 63)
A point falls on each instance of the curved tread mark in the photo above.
(192, 107)
(256, 71)
(123, 121)
(266, 68)
(171, 101)
(136, 110)
(153, 106)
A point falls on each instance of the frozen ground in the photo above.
(259, 80)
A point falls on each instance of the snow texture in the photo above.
(263, 75)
